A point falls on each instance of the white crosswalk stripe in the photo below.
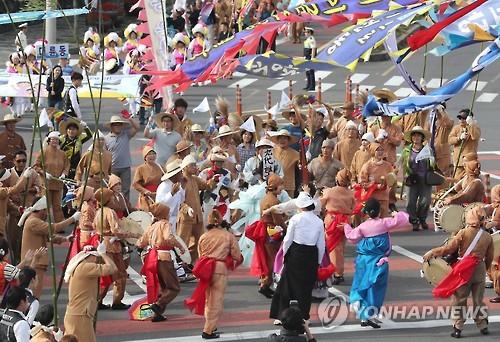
(486, 97)
(436, 82)
(395, 81)
(281, 85)
(480, 86)
(322, 74)
(358, 78)
(243, 82)
(403, 92)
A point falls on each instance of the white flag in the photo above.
(249, 125)
(285, 100)
(425, 153)
(273, 111)
(43, 119)
(202, 107)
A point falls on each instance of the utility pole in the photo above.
(50, 24)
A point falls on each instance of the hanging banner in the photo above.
(267, 163)
(52, 51)
(21, 17)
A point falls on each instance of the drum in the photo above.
(496, 245)
(136, 222)
(186, 256)
(94, 68)
(448, 217)
(469, 208)
(435, 270)
(111, 66)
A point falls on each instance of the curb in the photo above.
(384, 56)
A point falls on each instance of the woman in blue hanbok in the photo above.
(372, 267)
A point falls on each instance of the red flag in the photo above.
(423, 37)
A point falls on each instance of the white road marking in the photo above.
(281, 85)
(243, 82)
(127, 298)
(322, 74)
(403, 92)
(239, 74)
(358, 78)
(326, 86)
(262, 334)
(395, 81)
(407, 253)
(480, 85)
(486, 97)
(435, 82)
(369, 87)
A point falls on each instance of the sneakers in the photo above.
(103, 306)
(337, 280)
(266, 291)
(415, 226)
(209, 336)
(187, 277)
(120, 306)
(457, 333)
(484, 331)
(160, 318)
(495, 300)
(370, 323)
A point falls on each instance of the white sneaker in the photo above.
(277, 322)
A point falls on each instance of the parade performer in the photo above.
(36, 235)
(475, 251)
(180, 53)
(233, 158)
(164, 135)
(471, 189)
(303, 249)
(374, 175)
(296, 126)
(339, 127)
(91, 50)
(161, 278)
(199, 43)
(10, 141)
(119, 203)
(107, 225)
(132, 35)
(82, 273)
(339, 203)
(493, 226)
(310, 50)
(324, 168)
(288, 158)
(199, 150)
(112, 61)
(14, 65)
(464, 138)
(219, 252)
(319, 133)
(19, 104)
(85, 197)
(133, 63)
(253, 169)
(372, 264)
(419, 193)
(57, 167)
(179, 110)
(361, 156)
(147, 178)
(99, 157)
(267, 233)
(34, 66)
(346, 148)
(190, 214)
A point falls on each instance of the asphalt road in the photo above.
(246, 311)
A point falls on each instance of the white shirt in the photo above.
(253, 163)
(22, 41)
(164, 195)
(21, 329)
(33, 310)
(74, 102)
(306, 228)
(290, 206)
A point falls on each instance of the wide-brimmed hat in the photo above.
(116, 119)
(286, 114)
(283, 133)
(347, 105)
(224, 131)
(417, 129)
(9, 117)
(175, 120)
(217, 154)
(197, 128)
(146, 150)
(182, 146)
(270, 122)
(189, 159)
(173, 168)
(264, 142)
(385, 93)
(63, 126)
(257, 121)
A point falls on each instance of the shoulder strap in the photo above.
(474, 243)
(324, 173)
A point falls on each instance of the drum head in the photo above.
(186, 256)
(94, 68)
(132, 227)
(496, 246)
(450, 218)
(469, 208)
(138, 222)
(435, 270)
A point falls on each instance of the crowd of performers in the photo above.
(279, 200)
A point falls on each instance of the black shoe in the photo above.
(103, 306)
(456, 333)
(120, 306)
(370, 323)
(160, 318)
(209, 336)
(266, 291)
(337, 280)
(495, 300)
(156, 309)
(484, 331)
(392, 207)
(424, 225)
(415, 226)
(488, 285)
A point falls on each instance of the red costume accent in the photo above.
(361, 195)
(460, 274)
(333, 234)
(257, 232)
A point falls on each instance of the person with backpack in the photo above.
(71, 100)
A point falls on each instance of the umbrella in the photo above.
(140, 310)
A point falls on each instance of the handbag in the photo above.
(412, 179)
(434, 177)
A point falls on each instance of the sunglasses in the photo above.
(21, 161)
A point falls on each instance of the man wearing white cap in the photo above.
(82, 273)
(21, 40)
(361, 156)
(10, 141)
(345, 148)
(323, 169)
(190, 214)
(36, 235)
(253, 169)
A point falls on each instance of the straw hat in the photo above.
(417, 129)
(286, 114)
(224, 131)
(217, 154)
(182, 146)
(270, 122)
(112, 37)
(146, 150)
(284, 133)
(63, 126)
(197, 128)
(264, 142)
(385, 93)
(172, 169)
(348, 105)
(175, 120)
(116, 119)
(189, 159)
(131, 28)
(8, 118)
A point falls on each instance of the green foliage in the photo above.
(39, 5)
